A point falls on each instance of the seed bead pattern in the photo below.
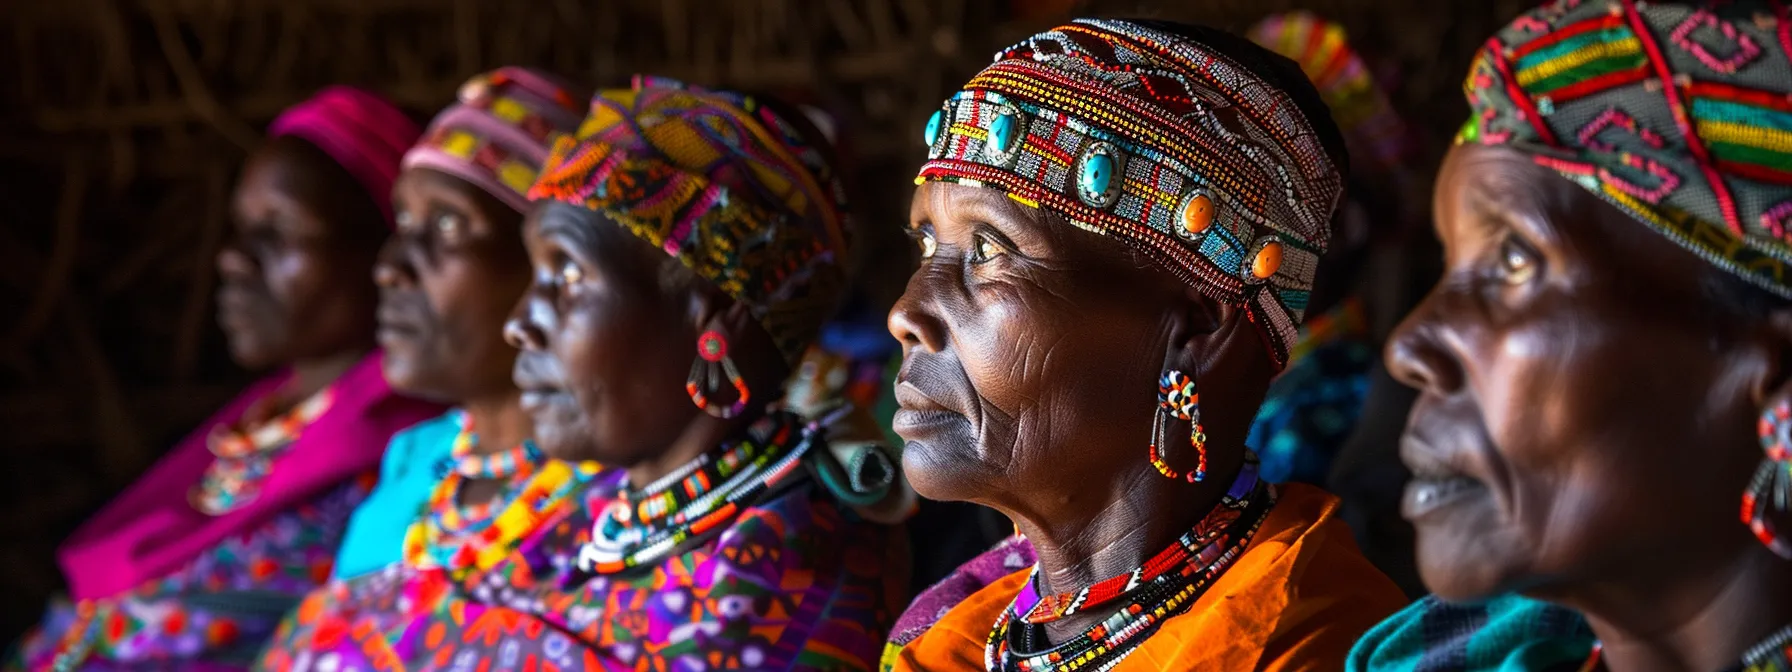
(245, 453)
(1162, 143)
(1149, 604)
(1674, 112)
(712, 493)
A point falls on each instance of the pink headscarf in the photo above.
(151, 530)
(498, 134)
(364, 132)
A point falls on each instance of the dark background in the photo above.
(123, 122)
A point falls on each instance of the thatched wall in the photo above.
(122, 123)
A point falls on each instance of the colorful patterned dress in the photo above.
(792, 581)
(357, 623)
(195, 563)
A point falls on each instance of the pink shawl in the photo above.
(150, 530)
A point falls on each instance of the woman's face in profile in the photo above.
(1029, 345)
(1583, 414)
(294, 278)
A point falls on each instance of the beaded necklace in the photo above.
(246, 451)
(643, 527)
(1163, 587)
(455, 537)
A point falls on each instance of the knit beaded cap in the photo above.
(1173, 148)
(722, 183)
(1678, 113)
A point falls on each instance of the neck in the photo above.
(1140, 514)
(1676, 620)
(499, 419)
(314, 374)
(705, 434)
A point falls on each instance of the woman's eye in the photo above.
(928, 246)
(571, 274)
(405, 220)
(983, 249)
(450, 228)
(1517, 264)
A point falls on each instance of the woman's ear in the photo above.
(1200, 328)
(1774, 382)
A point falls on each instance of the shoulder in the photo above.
(956, 640)
(1011, 555)
(1297, 598)
(1505, 632)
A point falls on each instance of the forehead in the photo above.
(429, 184)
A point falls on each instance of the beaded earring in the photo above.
(1772, 484)
(712, 354)
(1176, 397)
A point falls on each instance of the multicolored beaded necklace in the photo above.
(642, 527)
(1163, 587)
(246, 451)
(456, 538)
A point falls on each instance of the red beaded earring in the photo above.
(1176, 397)
(712, 354)
(1771, 488)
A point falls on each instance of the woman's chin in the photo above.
(946, 475)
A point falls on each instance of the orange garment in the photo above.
(1297, 599)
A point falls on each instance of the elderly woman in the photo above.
(450, 500)
(194, 563)
(1615, 223)
(678, 220)
(1113, 209)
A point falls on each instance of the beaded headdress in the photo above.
(722, 183)
(496, 136)
(1161, 142)
(1678, 113)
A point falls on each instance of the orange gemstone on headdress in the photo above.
(1198, 214)
(1268, 260)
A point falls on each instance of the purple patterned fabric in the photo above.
(1012, 555)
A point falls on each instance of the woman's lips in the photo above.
(1437, 483)
(1428, 495)
(919, 414)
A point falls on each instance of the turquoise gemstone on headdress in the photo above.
(1001, 132)
(934, 125)
(1097, 172)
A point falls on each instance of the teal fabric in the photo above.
(408, 473)
(1503, 634)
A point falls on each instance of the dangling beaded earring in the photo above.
(1176, 396)
(712, 354)
(1770, 491)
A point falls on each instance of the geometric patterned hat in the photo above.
(721, 182)
(1163, 143)
(1678, 113)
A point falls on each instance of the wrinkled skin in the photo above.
(608, 330)
(1585, 424)
(293, 277)
(448, 279)
(1032, 351)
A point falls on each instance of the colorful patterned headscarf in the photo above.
(360, 130)
(1678, 113)
(497, 135)
(1166, 144)
(722, 183)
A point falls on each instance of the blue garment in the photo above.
(1504, 634)
(409, 471)
(1311, 409)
